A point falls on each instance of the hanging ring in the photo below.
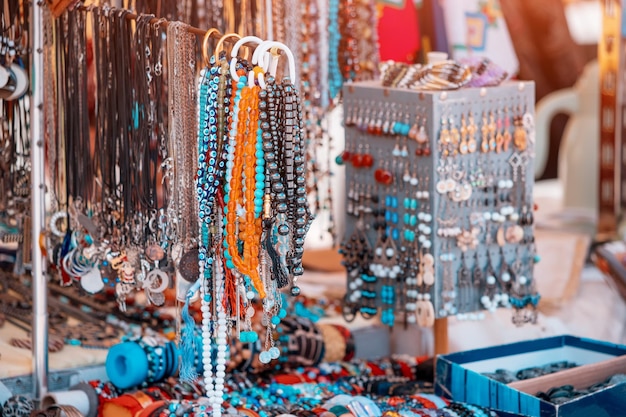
(205, 45)
(235, 50)
(157, 25)
(261, 62)
(273, 46)
(220, 44)
(267, 65)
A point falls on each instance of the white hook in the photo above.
(235, 50)
(265, 46)
(256, 57)
(258, 50)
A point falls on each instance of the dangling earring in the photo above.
(463, 146)
(471, 132)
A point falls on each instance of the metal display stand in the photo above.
(38, 207)
(448, 177)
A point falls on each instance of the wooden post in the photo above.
(441, 336)
(611, 61)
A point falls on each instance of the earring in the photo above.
(492, 132)
(463, 145)
(484, 130)
(507, 134)
(444, 138)
(499, 136)
(471, 132)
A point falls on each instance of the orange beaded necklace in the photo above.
(244, 163)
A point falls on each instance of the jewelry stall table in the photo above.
(69, 366)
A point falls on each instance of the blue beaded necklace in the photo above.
(335, 81)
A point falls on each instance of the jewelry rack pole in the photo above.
(40, 307)
(164, 23)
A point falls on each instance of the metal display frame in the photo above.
(369, 100)
(38, 206)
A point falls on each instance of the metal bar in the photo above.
(164, 23)
(38, 208)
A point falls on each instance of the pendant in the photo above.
(155, 252)
(156, 281)
(188, 266)
(92, 281)
(514, 234)
(425, 312)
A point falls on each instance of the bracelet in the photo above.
(127, 365)
(17, 406)
(65, 410)
(122, 406)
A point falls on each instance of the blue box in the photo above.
(459, 377)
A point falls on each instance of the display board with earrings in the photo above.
(439, 203)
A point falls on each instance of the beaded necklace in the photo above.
(335, 79)
(300, 214)
(206, 189)
(275, 197)
(242, 177)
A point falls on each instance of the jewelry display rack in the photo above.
(40, 377)
(448, 176)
